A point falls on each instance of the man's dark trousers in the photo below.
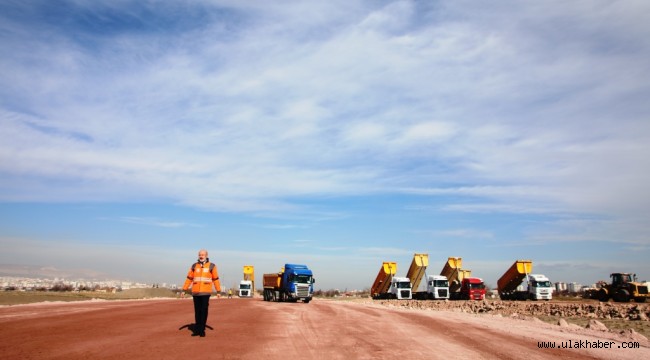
(201, 303)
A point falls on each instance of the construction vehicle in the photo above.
(462, 286)
(437, 287)
(382, 281)
(624, 287)
(247, 286)
(388, 286)
(538, 287)
(294, 282)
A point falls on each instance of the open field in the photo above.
(29, 297)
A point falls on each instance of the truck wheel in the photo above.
(622, 296)
(639, 299)
(306, 301)
(603, 296)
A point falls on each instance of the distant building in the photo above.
(560, 287)
(574, 287)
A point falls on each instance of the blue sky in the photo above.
(338, 134)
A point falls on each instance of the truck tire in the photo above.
(603, 296)
(306, 301)
(622, 295)
(640, 299)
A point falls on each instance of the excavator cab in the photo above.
(620, 278)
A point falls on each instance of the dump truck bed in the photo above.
(514, 276)
(453, 272)
(382, 282)
(452, 265)
(417, 270)
(272, 281)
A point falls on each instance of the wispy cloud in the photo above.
(512, 114)
(156, 222)
(458, 233)
(294, 111)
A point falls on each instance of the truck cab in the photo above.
(246, 288)
(472, 288)
(297, 283)
(400, 288)
(539, 287)
(437, 287)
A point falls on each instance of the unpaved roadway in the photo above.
(254, 329)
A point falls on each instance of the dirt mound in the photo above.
(590, 310)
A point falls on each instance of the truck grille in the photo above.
(643, 289)
(442, 293)
(405, 293)
(302, 291)
(244, 293)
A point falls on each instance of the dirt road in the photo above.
(252, 329)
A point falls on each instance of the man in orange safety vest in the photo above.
(201, 277)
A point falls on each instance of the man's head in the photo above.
(203, 254)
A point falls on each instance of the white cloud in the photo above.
(155, 222)
(529, 108)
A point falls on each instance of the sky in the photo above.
(336, 134)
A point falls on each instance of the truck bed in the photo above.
(514, 276)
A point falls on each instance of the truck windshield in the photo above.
(441, 283)
(542, 283)
(403, 285)
(303, 279)
(244, 286)
(477, 286)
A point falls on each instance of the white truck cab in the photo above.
(437, 287)
(400, 288)
(246, 288)
(539, 287)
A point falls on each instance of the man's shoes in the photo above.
(195, 334)
(202, 334)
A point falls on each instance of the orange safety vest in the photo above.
(201, 277)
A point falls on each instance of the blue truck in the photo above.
(294, 282)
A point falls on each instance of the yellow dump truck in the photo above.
(510, 285)
(247, 285)
(388, 286)
(462, 286)
(454, 273)
(437, 286)
(417, 270)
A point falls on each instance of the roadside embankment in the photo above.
(592, 310)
